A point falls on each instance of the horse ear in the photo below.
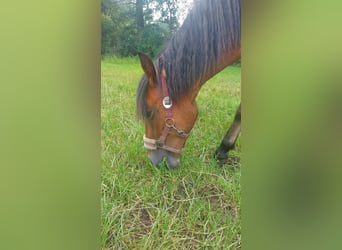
(148, 67)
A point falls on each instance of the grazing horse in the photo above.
(207, 42)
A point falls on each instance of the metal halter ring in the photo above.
(170, 122)
(167, 102)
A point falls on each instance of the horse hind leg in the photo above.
(228, 142)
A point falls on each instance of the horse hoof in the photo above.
(220, 156)
(224, 159)
(230, 161)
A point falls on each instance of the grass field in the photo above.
(197, 205)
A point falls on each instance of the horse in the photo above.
(207, 42)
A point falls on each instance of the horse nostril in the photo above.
(156, 156)
(171, 161)
(154, 160)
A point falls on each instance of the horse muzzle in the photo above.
(157, 156)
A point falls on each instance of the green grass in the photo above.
(197, 205)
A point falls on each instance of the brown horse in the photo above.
(207, 42)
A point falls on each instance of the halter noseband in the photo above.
(153, 144)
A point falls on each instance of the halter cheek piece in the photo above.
(153, 144)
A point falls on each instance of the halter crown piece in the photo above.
(153, 144)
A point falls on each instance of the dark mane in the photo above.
(141, 106)
(211, 29)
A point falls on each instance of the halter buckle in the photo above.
(167, 102)
(159, 144)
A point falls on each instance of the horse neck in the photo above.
(223, 61)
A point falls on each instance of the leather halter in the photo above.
(153, 144)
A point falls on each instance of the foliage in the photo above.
(131, 26)
(153, 38)
(168, 13)
(196, 206)
(109, 35)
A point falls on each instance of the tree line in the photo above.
(129, 26)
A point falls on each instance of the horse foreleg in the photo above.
(229, 140)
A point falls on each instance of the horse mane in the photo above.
(211, 28)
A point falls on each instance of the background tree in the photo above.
(109, 31)
(139, 13)
(168, 10)
(129, 26)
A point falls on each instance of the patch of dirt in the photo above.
(145, 217)
(213, 195)
(232, 210)
(231, 161)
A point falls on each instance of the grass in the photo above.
(197, 205)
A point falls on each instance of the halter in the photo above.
(153, 144)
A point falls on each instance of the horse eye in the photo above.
(149, 114)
